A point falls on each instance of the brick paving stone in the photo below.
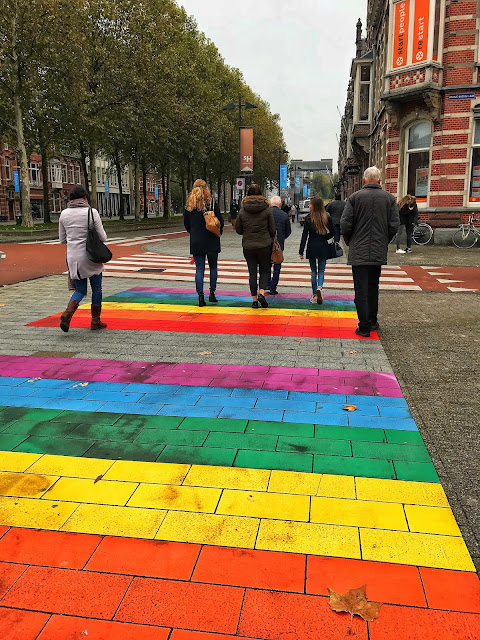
(69, 627)
(452, 590)
(22, 625)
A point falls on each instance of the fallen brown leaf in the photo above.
(98, 478)
(299, 340)
(205, 353)
(349, 407)
(355, 603)
(351, 353)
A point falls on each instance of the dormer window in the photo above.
(362, 107)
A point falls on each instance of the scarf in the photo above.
(76, 204)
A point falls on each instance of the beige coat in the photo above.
(72, 231)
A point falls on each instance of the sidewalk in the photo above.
(157, 480)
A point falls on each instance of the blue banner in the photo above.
(283, 176)
(305, 190)
(106, 186)
(309, 193)
(298, 184)
(16, 180)
(156, 192)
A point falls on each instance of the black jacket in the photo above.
(409, 216)
(317, 246)
(202, 241)
(335, 209)
(255, 223)
(282, 224)
(369, 222)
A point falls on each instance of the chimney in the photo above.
(358, 41)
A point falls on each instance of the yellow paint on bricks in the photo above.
(431, 520)
(205, 528)
(150, 472)
(28, 485)
(305, 537)
(83, 490)
(198, 499)
(358, 513)
(337, 487)
(399, 547)
(127, 522)
(294, 482)
(33, 513)
(71, 467)
(401, 491)
(228, 478)
(17, 461)
(254, 504)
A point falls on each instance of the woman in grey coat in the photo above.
(73, 225)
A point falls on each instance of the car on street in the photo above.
(303, 211)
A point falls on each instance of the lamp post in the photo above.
(240, 105)
(281, 152)
(295, 170)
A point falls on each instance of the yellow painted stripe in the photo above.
(233, 507)
(185, 309)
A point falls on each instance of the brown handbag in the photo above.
(277, 253)
(212, 222)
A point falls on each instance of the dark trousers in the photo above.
(273, 279)
(365, 280)
(409, 230)
(258, 260)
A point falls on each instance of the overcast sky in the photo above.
(294, 54)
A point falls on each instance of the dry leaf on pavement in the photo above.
(349, 407)
(355, 602)
(205, 353)
(299, 340)
(351, 353)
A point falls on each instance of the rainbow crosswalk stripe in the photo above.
(184, 501)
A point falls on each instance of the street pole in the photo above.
(231, 107)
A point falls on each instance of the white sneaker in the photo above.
(400, 251)
(313, 300)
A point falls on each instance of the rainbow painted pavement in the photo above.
(190, 501)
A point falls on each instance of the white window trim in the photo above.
(406, 154)
(470, 165)
(356, 94)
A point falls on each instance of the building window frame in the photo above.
(473, 200)
(34, 173)
(359, 84)
(422, 200)
(8, 170)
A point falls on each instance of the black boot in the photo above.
(212, 297)
(201, 300)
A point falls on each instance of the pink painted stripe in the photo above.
(285, 296)
(215, 375)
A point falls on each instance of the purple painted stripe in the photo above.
(285, 296)
(285, 378)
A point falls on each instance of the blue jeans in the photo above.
(200, 271)
(81, 289)
(273, 282)
(317, 268)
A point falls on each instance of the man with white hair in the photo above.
(369, 222)
(284, 229)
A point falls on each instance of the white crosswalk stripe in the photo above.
(337, 276)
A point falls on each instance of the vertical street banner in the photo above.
(16, 180)
(305, 190)
(246, 149)
(283, 176)
(420, 30)
(400, 34)
(298, 184)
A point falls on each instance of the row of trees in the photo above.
(132, 80)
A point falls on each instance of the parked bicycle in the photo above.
(467, 235)
(422, 233)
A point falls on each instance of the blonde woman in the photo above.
(203, 243)
(317, 230)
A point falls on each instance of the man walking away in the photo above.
(369, 222)
(284, 229)
(234, 209)
(335, 209)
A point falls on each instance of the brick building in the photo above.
(413, 105)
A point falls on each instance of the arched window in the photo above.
(419, 140)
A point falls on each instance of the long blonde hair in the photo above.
(319, 216)
(200, 197)
(408, 199)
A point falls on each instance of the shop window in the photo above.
(419, 140)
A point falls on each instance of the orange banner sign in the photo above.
(400, 37)
(246, 149)
(420, 30)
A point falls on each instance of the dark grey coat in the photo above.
(369, 222)
(255, 223)
(282, 224)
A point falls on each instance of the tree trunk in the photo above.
(219, 189)
(225, 196)
(136, 190)
(118, 167)
(189, 174)
(164, 190)
(46, 191)
(182, 183)
(93, 178)
(168, 204)
(25, 208)
(83, 162)
(145, 199)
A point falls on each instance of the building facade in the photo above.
(413, 105)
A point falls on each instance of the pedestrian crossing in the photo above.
(296, 274)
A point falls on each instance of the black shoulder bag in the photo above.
(97, 251)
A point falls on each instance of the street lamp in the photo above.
(231, 107)
(280, 152)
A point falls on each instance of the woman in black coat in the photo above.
(203, 243)
(318, 230)
(408, 218)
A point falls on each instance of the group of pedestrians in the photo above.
(368, 221)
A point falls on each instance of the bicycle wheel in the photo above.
(464, 238)
(422, 233)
